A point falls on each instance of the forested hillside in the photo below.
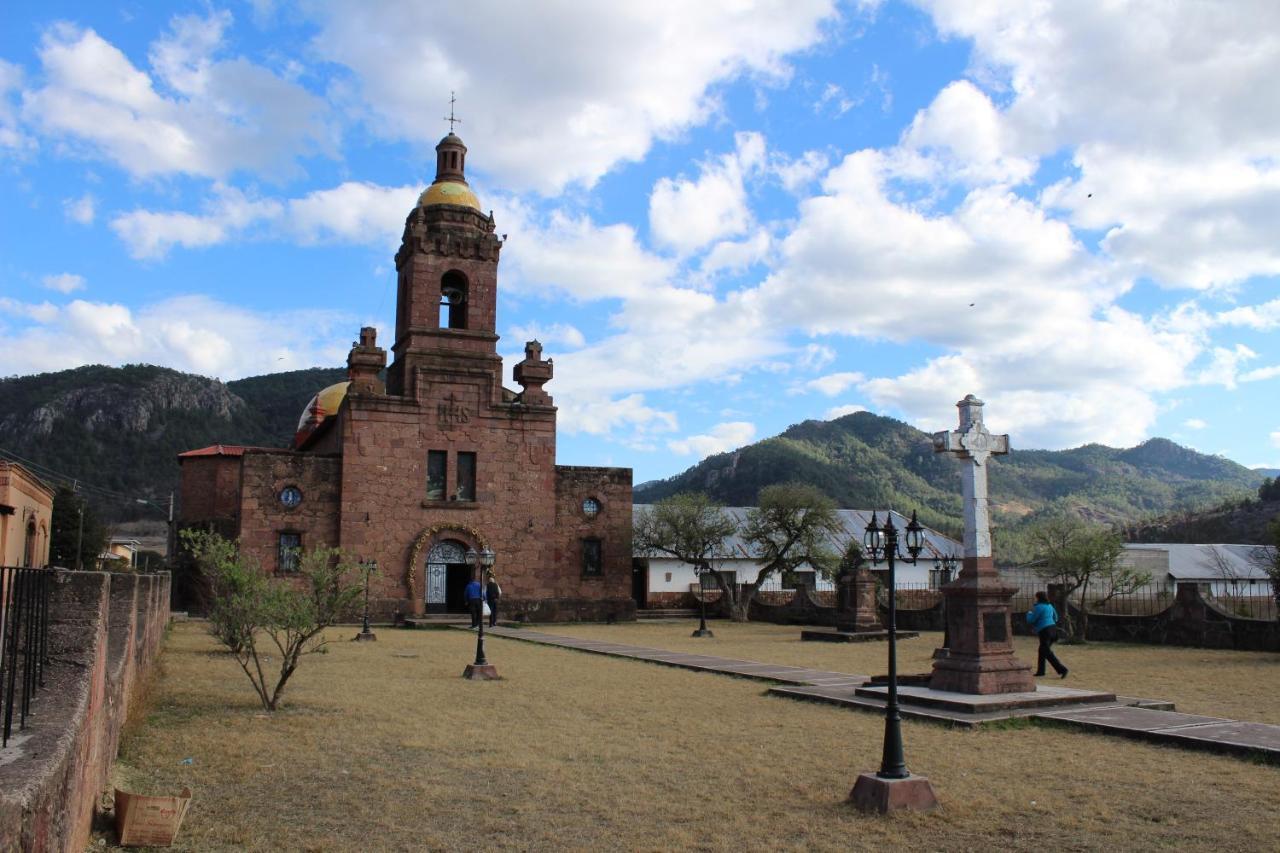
(865, 460)
(119, 429)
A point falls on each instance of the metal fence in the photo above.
(1250, 602)
(24, 641)
(911, 596)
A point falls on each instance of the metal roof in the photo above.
(1198, 562)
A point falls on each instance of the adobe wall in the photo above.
(104, 636)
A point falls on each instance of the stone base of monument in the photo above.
(874, 794)
(365, 636)
(702, 632)
(984, 673)
(484, 672)
(980, 658)
(835, 635)
(1044, 696)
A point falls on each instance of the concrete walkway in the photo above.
(1142, 719)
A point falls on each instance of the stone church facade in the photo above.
(438, 460)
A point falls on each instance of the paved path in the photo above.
(1135, 718)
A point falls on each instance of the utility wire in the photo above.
(76, 483)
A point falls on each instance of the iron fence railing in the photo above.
(24, 641)
(1251, 602)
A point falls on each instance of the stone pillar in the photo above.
(857, 612)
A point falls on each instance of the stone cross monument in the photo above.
(980, 658)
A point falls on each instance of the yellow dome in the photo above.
(320, 407)
(449, 192)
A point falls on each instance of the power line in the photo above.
(76, 483)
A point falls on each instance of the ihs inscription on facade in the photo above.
(450, 412)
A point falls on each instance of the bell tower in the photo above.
(447, 282)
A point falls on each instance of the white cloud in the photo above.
(964, 137)
(63, 282)
(722, 437)
(191, 333)
(736, 256)
(602, 417)
(44, 312)
(228, 214)
(352, 212)
(1275, 438)
(1194, 423)
(686, 215)
(81, 210)
(550, 336)
(11, 134)
(1224, 365)
(835, 100)
(834, 383)
(796, 174)
(1170, 110)
(1262, 317)
(1260, 373)
(571, 254)
(558, 94)
(841, 411)
(224, 114)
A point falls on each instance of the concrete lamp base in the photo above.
(874, 794)
(365, 636)
(484, 672)
(702, 632)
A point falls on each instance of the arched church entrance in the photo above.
(447, 577)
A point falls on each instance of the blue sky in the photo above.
(722, 218)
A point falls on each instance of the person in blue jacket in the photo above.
(1043, 619)
(474, 595)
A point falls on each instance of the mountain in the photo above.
(119, 429)
(865, 460)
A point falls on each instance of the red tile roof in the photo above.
(220, 450)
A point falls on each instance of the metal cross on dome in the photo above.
(452, 121)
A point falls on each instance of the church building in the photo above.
(440, 459)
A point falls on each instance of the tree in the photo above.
(793, 525)
(65, 532)
(247, 607)
(687, 527)
(1228, 571)
(1077, 554)
(1267, 558)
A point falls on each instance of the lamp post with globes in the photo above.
(946, 573)
(481, 562)
(893, 786)
(366, 633)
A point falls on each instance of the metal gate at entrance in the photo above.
(447, 577)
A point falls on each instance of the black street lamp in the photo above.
(368, 567)
(882, 543)
(703, 630)
(481, 669)
(946, 573)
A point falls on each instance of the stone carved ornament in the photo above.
(424, 537)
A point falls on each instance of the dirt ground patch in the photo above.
(383, 746)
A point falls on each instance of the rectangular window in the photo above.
(592, 565)
(466, 477)
(436, 464)
(290, 549)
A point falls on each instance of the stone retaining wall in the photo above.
(104, 636)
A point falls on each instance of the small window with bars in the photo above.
(437, 467)
(592, 564)
(290, 552)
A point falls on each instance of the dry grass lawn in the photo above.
(1237, 685)
(383, 746)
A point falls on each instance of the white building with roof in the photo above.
(666, 582)
(1227, 569)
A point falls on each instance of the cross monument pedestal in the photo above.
(980, 658)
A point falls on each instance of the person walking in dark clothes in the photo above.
(492, 593)
(474, 596)
(1043, 619)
